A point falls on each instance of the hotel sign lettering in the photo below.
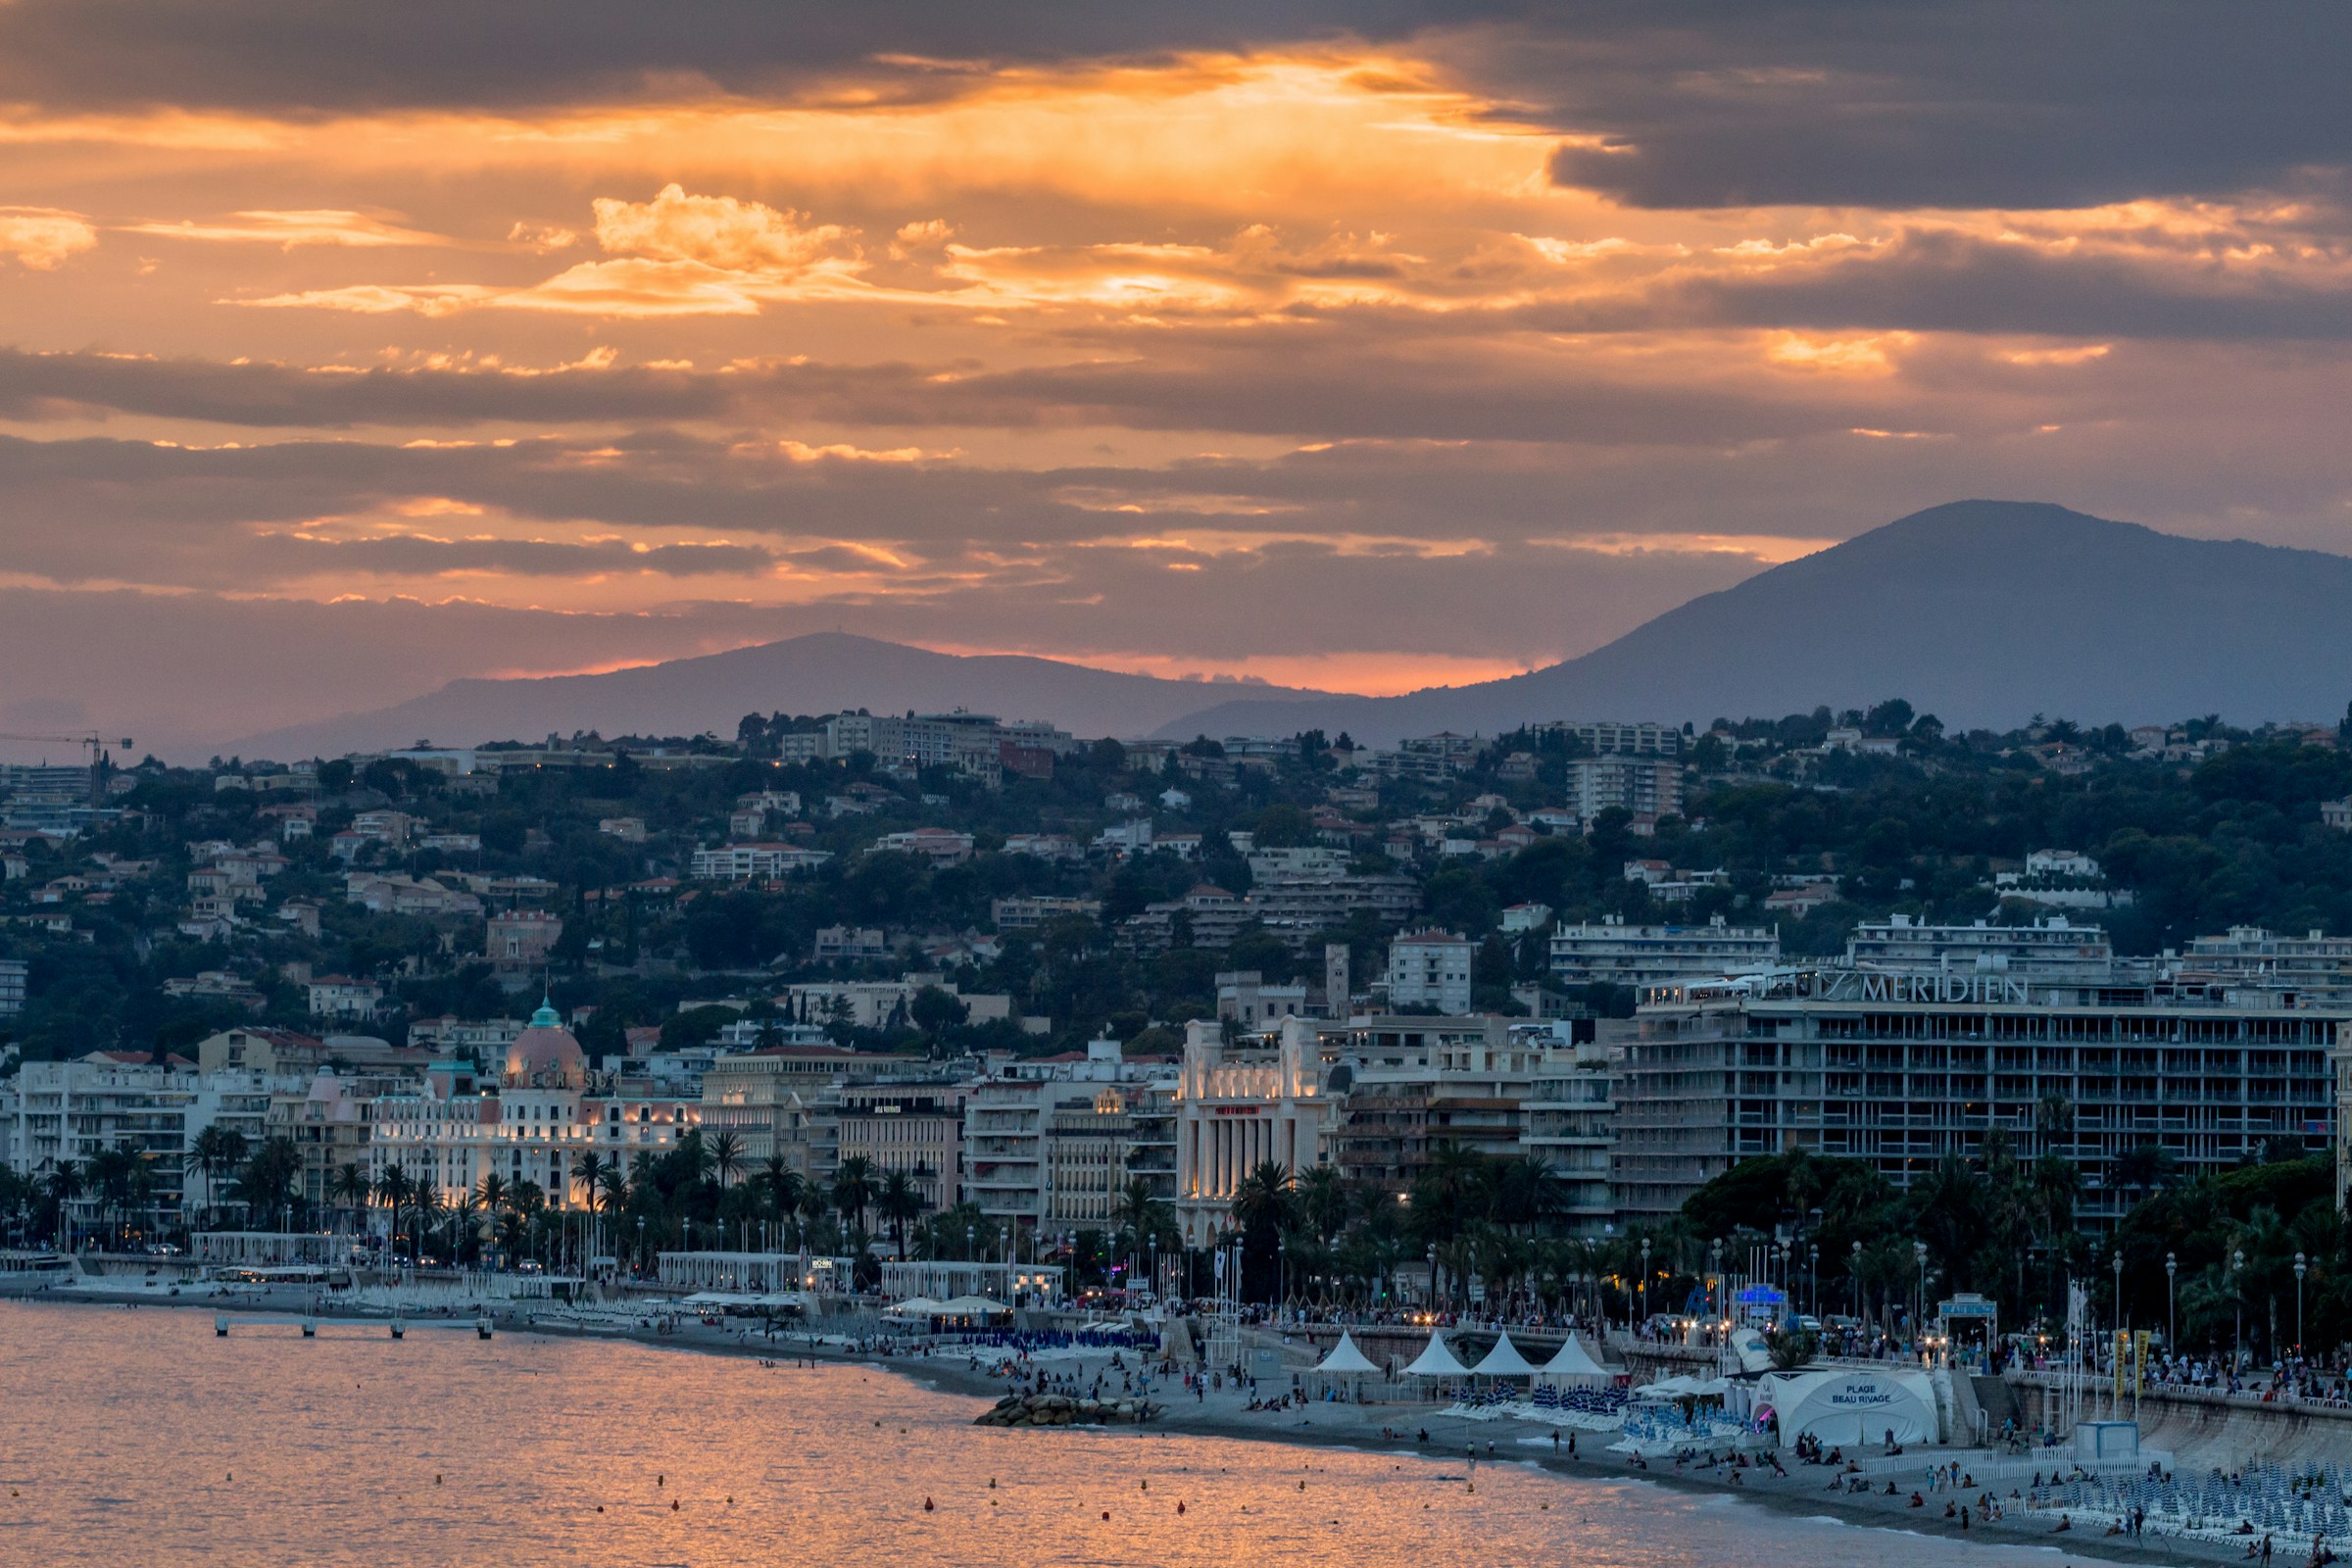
(1989, 988)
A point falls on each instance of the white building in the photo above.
(745, 863)
(1637, 956)
(1431, 969)
(1239, 1107)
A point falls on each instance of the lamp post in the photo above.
(1282, 1276)
(2171, 1320)
(1919, 1257)
(2237, 1335)
(641, 1247)
(2115, 1388)
(1715, 1291)
(1644, 1279)
(1853, 1272)
(1432, 1277)
(1813, 1278)
(2299, 1264)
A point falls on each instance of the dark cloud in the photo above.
(282, 56)
(1700, 103)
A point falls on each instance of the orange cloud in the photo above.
(42, 237)
(316, 226)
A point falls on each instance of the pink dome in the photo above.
(545, 1050)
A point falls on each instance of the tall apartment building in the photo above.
(1640, 955)
(1903, 1070)
(1405, 1087)
(1596, 784)
(1571, 1125)
(1048, 1141)
(915, 1127)
(12, 973)
(1431, 969)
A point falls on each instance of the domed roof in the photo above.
(545, 1048)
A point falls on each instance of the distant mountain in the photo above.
(821, 674)
(1982, 613)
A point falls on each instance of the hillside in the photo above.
(820, 673)
(1982, 613)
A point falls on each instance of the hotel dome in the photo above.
(546, 1053)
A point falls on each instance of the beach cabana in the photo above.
(1850, 1408)
(1345, 1365)
(1575, 1368)
(1504, 1360)
(1437, 1360)
(913, 1309)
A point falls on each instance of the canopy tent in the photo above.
(971, 1307)
(1345, 1358)
(1345, 1367)
(1848, 1407)
(1669, 1389)
(1437, 1360)
(1573, 1366)
(1504, 1360)
(915, 1308)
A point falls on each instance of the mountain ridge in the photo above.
(818, 672)
(1980, 611)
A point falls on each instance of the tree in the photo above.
(213, 1153)
(899, 1203)
(854, 1188)
(727, 1154)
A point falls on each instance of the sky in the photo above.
(346, 350)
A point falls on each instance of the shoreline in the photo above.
(1350, 1427)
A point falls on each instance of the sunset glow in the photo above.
(1438, 319)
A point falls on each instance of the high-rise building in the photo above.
(1900, 1071)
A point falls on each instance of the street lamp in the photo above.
(1919, 1257)
(1716, 1294)
(1644, 1279)
(2172, 1266)
(2116, 1390)
(2299, 1303)
(2237, 1342)
(1813, 1276)
(1854, 1273)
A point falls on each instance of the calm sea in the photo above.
(137, 1438)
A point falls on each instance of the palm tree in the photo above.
(815, 1206)
(727, 1154)
(349, 1186)
(491, 1191)
(393, 1189)
(899, 1203)
(65, 1186)
(1323, 1200)
(854, 1188)
(215, 1151)
(782, 1184)
(616, 1186)
(588, 1175)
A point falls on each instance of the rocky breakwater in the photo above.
(1061, 1411)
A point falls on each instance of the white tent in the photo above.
(915, 1308)
(972, 1306)
(1668, 1389)
(1573, 1366)
(1504, 1360)
(1345, 1358)
(1437, 1362)
(1850, 1408)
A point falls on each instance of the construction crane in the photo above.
(96, 744)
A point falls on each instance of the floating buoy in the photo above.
(661, 1480)
(1302, 1486)
(992, 1483)
(1144, 1486)
(1107, 1513)
(600, 1507)
(926, 1505)
(436, 1478)
(1180, 1507)
(674, 1505)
